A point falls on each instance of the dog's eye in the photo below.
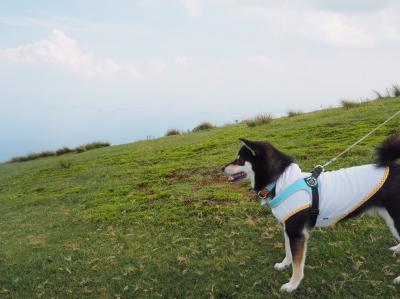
(240, 161)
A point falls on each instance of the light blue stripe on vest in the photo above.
(296, 186)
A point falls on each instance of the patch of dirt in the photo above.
(210, 202)
(37, 240)
(218, 202)
(180, 175)
(207, 177)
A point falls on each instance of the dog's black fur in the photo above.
(268, 163)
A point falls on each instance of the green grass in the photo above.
(157, 219)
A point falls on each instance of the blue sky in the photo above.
(72, 72)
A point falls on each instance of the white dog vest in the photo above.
(340, 192)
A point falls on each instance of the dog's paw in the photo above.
(288, 287)
(281, 266)
(395, 248)
(396, 280)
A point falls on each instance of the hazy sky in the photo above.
(77, 71)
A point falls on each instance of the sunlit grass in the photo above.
(157, 218)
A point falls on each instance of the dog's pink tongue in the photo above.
(235, 176)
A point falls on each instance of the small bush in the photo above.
(350, 104)
(391, 92)
(80, 149)
(91, 146)
(59, 152)
(44, 154)
(18, 159)
(63, 151)
(260, 119)
(396, 90)
(65, 164)
(203, 126)
(292, 113)
(33, 156)
(378, 95)
(171, 132)
(94, 145)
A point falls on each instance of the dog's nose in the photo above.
(223, 168)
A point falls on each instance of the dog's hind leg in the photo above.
(395, 248)
(393, 224)
(287, 261)
(298, 246)
(392, 219)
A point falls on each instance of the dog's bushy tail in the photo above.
(389, 151)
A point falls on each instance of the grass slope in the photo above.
(157, 219)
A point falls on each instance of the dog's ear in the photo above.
(249, 145)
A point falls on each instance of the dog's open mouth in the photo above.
(237, 176)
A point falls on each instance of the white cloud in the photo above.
(336, 30)
(342, 29)
(75, 25)
(261, 60)
(155, 67)
(63, 52)
(182, 61)
(193, 7)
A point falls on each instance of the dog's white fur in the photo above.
(390, 223)
(287, 261)
(247, 168)
(298, 274)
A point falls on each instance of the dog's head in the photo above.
(258, 161)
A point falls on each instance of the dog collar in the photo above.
(265, 193)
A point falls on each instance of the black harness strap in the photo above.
(312, 181)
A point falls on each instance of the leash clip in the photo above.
(317, 171)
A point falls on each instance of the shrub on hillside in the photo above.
(97, 144)
(396, 90)
(260, 119)
(65, 164)
(203, 126)
(171, 132)
(64, 150)
(19, 159)
(80, 149)
(351, 104)
(33, 156)
(59, 152)
(292, 113)
(378, 95)
(391, 92)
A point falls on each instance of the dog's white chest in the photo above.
(341, 192)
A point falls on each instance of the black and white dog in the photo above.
(378, 190)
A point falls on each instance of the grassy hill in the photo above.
(157, 219)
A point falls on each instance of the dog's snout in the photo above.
(223, 168)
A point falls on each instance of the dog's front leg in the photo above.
(288, 254)
(298, 245)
